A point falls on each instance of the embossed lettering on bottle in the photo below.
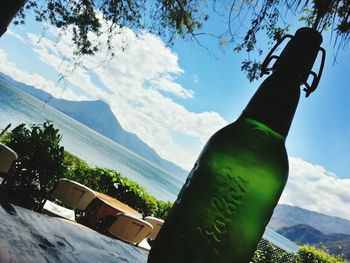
(228, 192)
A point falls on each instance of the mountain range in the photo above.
(308, 227)
(287, 216)
(98, 116)
(336, 244)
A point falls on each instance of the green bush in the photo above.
(39, 165)
(270, 253)
(309, 254)
(163, 208)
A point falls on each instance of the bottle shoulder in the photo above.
(248, 141)
(249, 129)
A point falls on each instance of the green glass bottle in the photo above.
(229, 196)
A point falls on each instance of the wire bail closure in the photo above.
(309, 88)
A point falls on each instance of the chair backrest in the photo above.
(130, 229)
(73, 194)
(7, 156)
(156, 223)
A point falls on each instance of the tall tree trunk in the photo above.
(8, 9)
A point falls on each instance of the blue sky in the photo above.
(174, 98)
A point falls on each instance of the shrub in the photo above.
(309, 254)
(269, 253)
(163, 208)
(39, 165)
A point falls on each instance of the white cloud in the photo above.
(167, 84)
(13, 34)
(34, 79)
(138, 83)
(313, 187)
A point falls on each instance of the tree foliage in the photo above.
(170, 18)
(269, 17)
(166, 18)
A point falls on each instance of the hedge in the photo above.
(270, 253)
(114, 184)
(309, 254)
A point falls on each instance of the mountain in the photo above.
(337, 244)
(98, 116)
(286, 216)
(303, 226)
(302, 234)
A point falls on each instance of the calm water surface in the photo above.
(18, 107)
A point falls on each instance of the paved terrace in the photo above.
(27, 236)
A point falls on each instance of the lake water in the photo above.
(18, 107)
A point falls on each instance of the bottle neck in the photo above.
(275, 102)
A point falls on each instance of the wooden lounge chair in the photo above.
(156, 223)
(71, 194)
(7, 157)
(130, 229)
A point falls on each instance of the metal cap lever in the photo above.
(316, 77)
(269, 57)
